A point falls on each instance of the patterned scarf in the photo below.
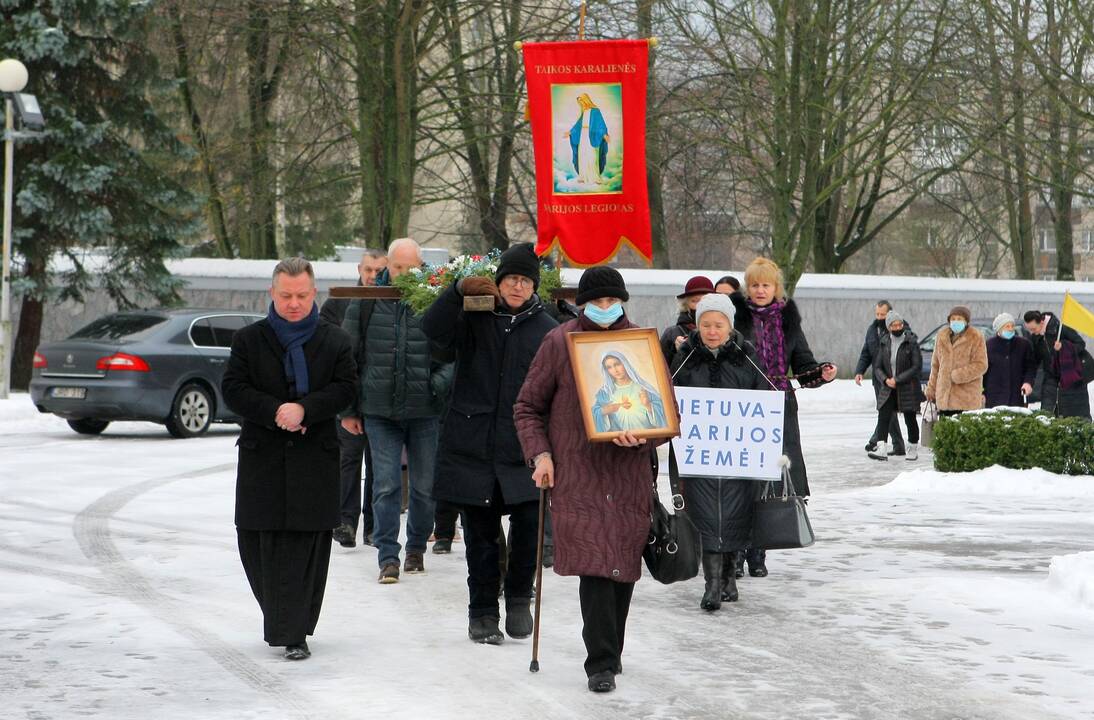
(770, 342)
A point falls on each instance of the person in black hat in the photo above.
(675, 335)
(601, 491)
(480, 467)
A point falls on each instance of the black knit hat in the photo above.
(519, 260)
(601, 281)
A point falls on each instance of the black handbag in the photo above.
(672, 550)
(779, 522)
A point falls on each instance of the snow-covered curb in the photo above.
(1073, 576)
(18, 415)
(995, 480)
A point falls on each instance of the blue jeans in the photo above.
(386, 440)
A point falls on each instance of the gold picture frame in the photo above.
(623, 384)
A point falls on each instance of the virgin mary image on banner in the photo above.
(588, 152)
(626, 401)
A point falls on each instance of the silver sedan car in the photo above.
(163, 366)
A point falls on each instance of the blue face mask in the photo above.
(1007, 334)
(957, 326)
(604, 317)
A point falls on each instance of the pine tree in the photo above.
(89, 192)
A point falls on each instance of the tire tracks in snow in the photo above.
(92, 531)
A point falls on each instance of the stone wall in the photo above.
(836, 309)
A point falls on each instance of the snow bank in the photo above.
(995, 480)
(1073, 576)
(838, 396)
(18, 415)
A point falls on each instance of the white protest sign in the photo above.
(729, 433)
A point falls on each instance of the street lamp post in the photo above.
(13, 78)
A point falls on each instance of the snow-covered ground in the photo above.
(928, 595)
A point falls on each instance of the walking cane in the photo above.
(543, 497)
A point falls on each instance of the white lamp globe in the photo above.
(13, 76)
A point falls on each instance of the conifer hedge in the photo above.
(967, 442)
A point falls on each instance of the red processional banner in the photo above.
(587, 106)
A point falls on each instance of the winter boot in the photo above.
(345, 535)
(729, 577)
(485, 630)
(757, 562)
(602, 682)
(518, 617)
(712, 573)
(739, 564)
(548, 555)
(882, 452)
(298, 652)
(913, 452)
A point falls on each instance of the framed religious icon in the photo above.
(623, 384)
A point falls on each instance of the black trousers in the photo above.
(444, 520)
(484, 549)
(886, 415)
(604, 608)
(354, 449)
(287, 572)
(893, 430)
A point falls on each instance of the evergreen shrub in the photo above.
(967, 442)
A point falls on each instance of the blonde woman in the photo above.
(771, 322)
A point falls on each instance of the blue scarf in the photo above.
(292, 336)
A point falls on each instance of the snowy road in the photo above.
(123, 598)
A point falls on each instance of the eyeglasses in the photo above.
(517, 280)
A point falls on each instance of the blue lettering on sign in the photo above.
(762, 434)
(777, 435)
(724, 458)
(743, 408)
(704, 457)
(712, 432)
(689, 451)
(695, 433)
(744, 458)
(758, 411)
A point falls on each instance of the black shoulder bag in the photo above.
(672, 550)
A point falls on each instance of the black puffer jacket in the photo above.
(721, 508)
(685, 324)
(801, 364)
(479, 445)
(909, 364)
(402, 374)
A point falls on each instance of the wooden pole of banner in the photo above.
(581, 22)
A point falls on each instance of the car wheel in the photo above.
(191, 412)
(88, 426)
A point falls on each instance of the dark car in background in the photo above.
(926, 347)
(162, 366)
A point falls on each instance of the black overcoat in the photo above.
(801, 364)
(909, 366)
(721, 508)
(1069, 402)
(288, 480)
(1010, 363)
(478, 444)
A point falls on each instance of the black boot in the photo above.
(757, 562)
(712, 572)
(729, 577)
(739, 564)
(485, 630)
(518, 617)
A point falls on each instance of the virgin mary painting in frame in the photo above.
(587, 124)
(623, 384)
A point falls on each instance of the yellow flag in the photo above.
(1075, 316)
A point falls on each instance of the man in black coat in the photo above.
(874, 334)
(288, 377)
(354, 448)
(480, 465)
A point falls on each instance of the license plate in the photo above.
(72, 393)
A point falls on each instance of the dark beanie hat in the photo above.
(962, 311)
(519, 259)
(601, 281)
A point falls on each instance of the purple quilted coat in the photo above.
(600, 503)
